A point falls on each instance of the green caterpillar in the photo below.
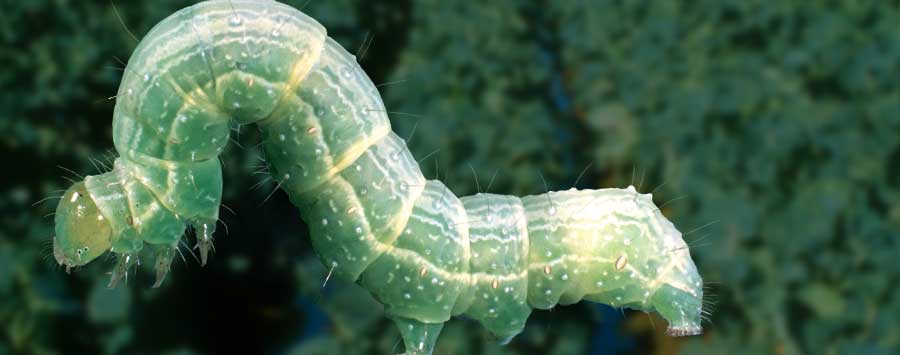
(374, 219)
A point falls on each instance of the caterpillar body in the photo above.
(374, 219)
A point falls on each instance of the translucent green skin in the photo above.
(424, 253)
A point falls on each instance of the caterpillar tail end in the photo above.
(682, 308)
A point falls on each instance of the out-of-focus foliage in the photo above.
(779, 122)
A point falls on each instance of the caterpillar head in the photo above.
(82, 233)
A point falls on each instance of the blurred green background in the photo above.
(774, 126)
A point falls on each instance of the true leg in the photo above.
(164, 255)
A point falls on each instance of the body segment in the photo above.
(498, 239)
(374, 219)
